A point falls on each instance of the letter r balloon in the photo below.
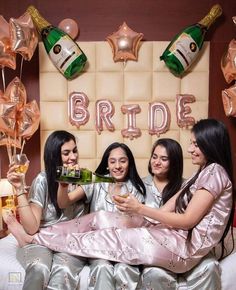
(104, 111)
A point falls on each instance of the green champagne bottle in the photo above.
(184, 48)
(80, 176)
(63, 51)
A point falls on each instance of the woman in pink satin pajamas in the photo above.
(188, 226)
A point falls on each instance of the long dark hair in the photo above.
(175, 173)
(132, 170)
(213, 140)
(52, 159)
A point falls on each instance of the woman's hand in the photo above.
(15, 178)
(128, 204)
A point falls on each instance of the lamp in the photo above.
(6, 189)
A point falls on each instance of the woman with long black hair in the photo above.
(190, 224)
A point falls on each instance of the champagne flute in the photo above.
(23, 163)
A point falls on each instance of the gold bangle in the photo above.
(19, 206)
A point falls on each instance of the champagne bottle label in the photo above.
(63, 58)
(185, 49)
(80, 176)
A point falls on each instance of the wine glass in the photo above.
(23, 163)
(118, 188)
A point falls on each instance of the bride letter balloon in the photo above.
(132, 131)
(182, 110)
(104, 111)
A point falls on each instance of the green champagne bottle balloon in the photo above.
(63, 51)
(185, 46)
(80, 176)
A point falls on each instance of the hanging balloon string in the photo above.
(21, 66)
(14, 143)
(3, 79)
(22, 147)
(9, 153)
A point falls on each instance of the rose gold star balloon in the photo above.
(7, 56)
(24, 37)
(29, 119)
(8, 117)
(16, 93)
(124, 43)
(10, 141)
(228, 62)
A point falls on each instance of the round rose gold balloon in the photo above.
(69, 26)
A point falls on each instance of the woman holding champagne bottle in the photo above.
(118, 162)
(43, 267)
(164, 180)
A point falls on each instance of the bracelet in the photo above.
(19, 206)
(20, 194)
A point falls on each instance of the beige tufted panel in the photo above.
(140, 82)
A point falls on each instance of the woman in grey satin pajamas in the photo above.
(44, 268)
(117, 161)
(164, 180)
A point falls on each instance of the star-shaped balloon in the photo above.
(10, 141)
(7, 56)
(228, 62)
(124, 43)
(16, 93)
(24, 37)
(8, 117)
(28, 121)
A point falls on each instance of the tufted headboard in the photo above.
(141, 82)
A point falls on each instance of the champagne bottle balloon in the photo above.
(63, 51)
(185, 46)
(80, 176)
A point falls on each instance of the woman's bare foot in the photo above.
(17, 230)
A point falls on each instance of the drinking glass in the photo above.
(23, 163)
(118, 188)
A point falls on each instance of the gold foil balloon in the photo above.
(7, 56)
(69, 26)
(124, 43)
(16, 93)
(24, 37)
(28, 121)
